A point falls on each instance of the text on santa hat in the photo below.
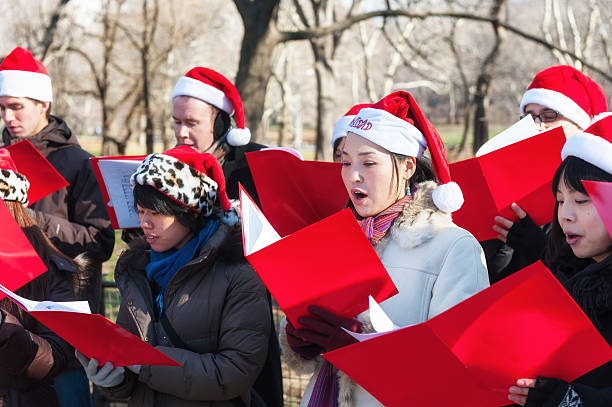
(360, 123)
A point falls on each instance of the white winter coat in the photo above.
(434, 265)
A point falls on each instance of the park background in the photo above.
(299, 65)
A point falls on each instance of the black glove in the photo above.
(551, 393)
(526, 238)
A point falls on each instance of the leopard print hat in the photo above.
(13, 185)
(190, 178)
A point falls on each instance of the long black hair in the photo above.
(148, 197)
(572, 172)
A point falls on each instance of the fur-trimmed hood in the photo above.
(418, 222)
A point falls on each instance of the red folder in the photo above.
(295, 193)
(44, 178)
(329, 263)
(121, 212)
(525, 326)
(97, 337)
(521, 172)
(92, 334)
(601, 195)
(19, 262)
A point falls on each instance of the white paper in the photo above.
(258, 232)
(380, 322)
(379, 319)
(116, 175)
(521, 130)
(30, 305)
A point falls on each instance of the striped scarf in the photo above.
(325, 390)
(375, 227)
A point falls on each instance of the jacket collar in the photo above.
(419, 221)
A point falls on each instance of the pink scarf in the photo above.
(375, 227)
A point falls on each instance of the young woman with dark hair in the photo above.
(188, 291)
(30, 354)
(407, 218)
(579, 253)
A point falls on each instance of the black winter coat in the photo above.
(592, 290)
(217, 306)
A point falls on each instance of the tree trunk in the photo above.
(255, 66)
(326, 107)
(481, 104)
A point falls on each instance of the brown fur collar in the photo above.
(418, 222)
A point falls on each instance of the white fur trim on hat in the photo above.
(448, 197)
(592, 149)
(340, 128)
(238, 137)
(25, 84)
(558, 102)
(206, 93)
(177, 180)
(388, 131)
(14, 186)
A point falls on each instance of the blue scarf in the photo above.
(164, 265)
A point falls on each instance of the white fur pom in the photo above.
(238, 137)
(448, 197)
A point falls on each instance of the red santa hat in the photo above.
(340, 126)
(190, 178)
(397, 124)
(594, 145)
(568, 91)
(23, 76)
(13, 185)
(215, 89)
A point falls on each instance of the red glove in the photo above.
(305, 349)
(326, 329)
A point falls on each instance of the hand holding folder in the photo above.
(601, 195)
(521, 172)
(329, 263)
(526, 325)
(92, 334)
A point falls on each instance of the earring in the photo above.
(408, 190)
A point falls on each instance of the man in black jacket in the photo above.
(202, 103)
(75, 217)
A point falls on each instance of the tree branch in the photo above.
(344, 24)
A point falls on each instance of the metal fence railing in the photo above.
(293, 383)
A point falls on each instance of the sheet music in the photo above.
(521, 130)
(30, 305)
(116, 174)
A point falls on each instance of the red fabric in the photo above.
(572, 83)
(206, 164)
(602, 128)
(6, 162)
(216, 80)
(20, 59)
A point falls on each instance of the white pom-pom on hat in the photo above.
(238, 137)
(448, 197)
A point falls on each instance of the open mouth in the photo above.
(572, 238)
(358, 195)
